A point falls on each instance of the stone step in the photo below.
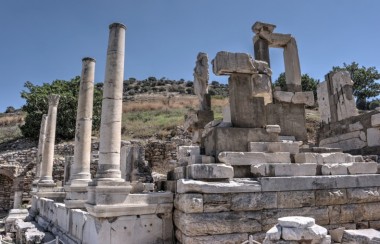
(250, 158)
(325, 158)
(209, 171)
(273, 147)
(350, 168)
(283, 169)
(361, 236)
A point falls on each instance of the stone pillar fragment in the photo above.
(17, 200)
(48, 150)
(201, 77)
(261, 49)
(292, 67)
(108, 188)
(41, 144)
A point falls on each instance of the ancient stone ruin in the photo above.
(251, 178)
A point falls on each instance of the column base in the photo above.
(76, 194)
(50, 191)
(105, 195)
(135, 204)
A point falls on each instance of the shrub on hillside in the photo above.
(37, 104)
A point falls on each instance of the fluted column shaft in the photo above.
(110, 128)
(82, 150)
(48, 151)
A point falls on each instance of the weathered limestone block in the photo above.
(363, 195)
(342, 137)
(184, 186)
(361, 236)
(273, 129)
(296, 222)
(284, 169)
(283, 96)
(295, 199)
(217, 202)
(362, 168)
(337, 234)
(299, 183)
(274, 233)
(355, 126)
(331, 197)
(13, 216)
(335, 169)
(189, 203)
(208, 159)
(306, 98)
(212, 239)
(333, 158)
(258, 146)
(177, 173)
(262, 87)
(373, 137)
(198, 224)
(34, 235)
(314, 232)
(315, 158)
(226, 63)
(291, 147)
(249, 158)
(253, 201)
(185, 152)
(292, 66)
(375, 120)
(209, 171)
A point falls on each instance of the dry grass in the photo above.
(159, 116)
(11, 120)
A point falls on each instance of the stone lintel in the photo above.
(299, 183)
(276, 40)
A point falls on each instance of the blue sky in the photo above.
(44, 40)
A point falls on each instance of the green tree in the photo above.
(365, 85)
(308, 83)
(37, 104)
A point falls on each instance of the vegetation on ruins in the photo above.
(37, 104)
(365, 85)
(308, 83)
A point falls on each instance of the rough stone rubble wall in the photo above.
(356, 135)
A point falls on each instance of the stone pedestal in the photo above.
(80, 175)
(246, 111)
(108, 192)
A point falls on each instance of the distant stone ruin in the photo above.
(249, 179)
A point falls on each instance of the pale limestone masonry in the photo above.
(76, 187)
(358, 134)
(335, 98)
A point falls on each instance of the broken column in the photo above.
(41, 144)
(80, 171)
(196, 120)
(48, 149)
(108, 188)
(260, 44)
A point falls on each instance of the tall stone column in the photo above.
(108, 188)
(48, 152)
(292, 67)
(41, 144)
(76, 189)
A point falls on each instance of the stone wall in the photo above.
(6, 198)
(356, 135)
(209, 212)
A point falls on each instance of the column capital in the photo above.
(88, 59)
(119, 25)
(53, 99)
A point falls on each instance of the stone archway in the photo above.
(6, 193)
